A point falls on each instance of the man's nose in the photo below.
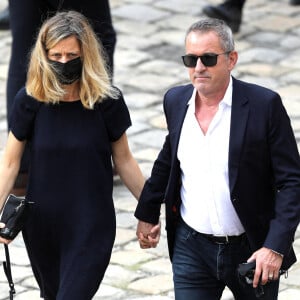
(199, 64)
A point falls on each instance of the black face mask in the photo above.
(67, 72)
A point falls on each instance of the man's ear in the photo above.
(232, 58)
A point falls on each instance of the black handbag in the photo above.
(14, 215)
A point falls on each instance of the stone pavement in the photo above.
(147, 63)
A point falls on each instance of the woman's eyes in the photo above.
(69, 55)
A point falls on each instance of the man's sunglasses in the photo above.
(208, 59)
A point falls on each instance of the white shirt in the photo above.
(206, 204)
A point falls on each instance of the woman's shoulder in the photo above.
(112, 102)
(24, 100)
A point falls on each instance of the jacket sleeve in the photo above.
(153, 194)
(286, 168)
(162, 184)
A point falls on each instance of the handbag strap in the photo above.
(7, 271)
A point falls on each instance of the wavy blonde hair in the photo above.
(95, 83)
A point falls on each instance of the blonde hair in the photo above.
(95, 83)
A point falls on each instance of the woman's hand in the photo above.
(2, 240)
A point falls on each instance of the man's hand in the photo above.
(148, 234)
(268, 264)
(2, 240)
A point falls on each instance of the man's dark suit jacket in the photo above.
(264, 169)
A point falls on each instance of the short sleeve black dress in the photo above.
(71, 230)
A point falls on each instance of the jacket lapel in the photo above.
(176, 121)
(239, 118)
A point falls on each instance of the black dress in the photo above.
(71, 230)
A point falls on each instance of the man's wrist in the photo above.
(277, 253)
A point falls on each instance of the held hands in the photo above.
(268, 264)
(148, 234)
(2, 240)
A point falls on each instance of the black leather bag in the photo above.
(14, 215)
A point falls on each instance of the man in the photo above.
(228, 173)
(231, 12)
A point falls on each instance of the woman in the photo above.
(75, 122)
(25, 18)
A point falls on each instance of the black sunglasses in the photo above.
(208, 59)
